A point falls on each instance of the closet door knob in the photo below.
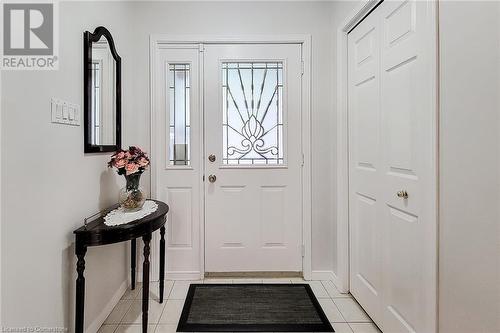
(402, 194)
(212, 178)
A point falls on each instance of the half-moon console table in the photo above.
(97, 233)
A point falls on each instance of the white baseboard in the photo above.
(336, 281)
(175, 276)
(322, 275)
(330, 276)
(97, 323)
(187, 275)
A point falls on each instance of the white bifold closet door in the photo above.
(392, 183)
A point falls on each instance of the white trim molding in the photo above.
(325, 276)
(188, 275)
(157, 41)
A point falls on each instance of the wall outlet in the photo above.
(65, 112)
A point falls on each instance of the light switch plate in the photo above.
(65, 112)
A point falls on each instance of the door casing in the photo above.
(157, 41)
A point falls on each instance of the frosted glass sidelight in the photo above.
(179, 110)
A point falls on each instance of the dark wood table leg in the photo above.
(162, 262)
(145, 283)
(133, 249)
(80, 251)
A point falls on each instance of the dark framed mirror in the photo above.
(102, 92)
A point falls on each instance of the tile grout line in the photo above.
(139, 299)
(165, 306)
(336, 306)
(346, 297)
(125, 312)
(116, 328)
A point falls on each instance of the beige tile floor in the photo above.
(342, 310)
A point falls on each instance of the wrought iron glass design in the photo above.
(96, 102)
(252, 120)
(179, 146)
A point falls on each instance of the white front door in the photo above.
(253, 157)
(392, 171)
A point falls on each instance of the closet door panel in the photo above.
(406, 128)
(364, 119)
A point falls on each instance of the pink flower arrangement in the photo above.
(130, 161)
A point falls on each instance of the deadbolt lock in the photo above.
(211, 158)
(212, 178)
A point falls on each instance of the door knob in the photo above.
(211, 158)
(212, 178)
(402, 194)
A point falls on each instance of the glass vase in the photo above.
(132, 196)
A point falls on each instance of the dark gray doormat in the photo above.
(252, 308)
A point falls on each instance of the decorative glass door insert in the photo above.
(252, 109)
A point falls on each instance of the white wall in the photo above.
(49, 185)
(341, 10)
(469, 226)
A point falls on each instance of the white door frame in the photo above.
(343, 249)
(156, 42)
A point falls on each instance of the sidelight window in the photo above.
(179, 88)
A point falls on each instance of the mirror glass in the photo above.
(103, 95)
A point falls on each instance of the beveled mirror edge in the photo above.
(88, 39)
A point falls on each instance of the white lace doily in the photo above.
(119, 216)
